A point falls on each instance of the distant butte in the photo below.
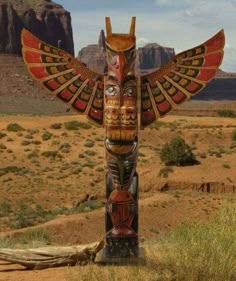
(44, 18)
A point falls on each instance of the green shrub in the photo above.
(37, 142)
(2, 146)
(14, 127)
(51, 154)
(2, 135)
(75, 125)
(89, 143)
(100, 169)
(90, 152)
(29, 136)
(177, 152)
(65, 147)
(20, 171)
(56, 126)
(76, 170)
(46, 135)
(5, 208)
(33, 131)
(25, 142)
(226, 113)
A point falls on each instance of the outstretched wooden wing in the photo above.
(64, 76)
(179, 79)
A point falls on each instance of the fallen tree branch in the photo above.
(52, 256)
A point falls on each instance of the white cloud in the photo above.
(140, 42)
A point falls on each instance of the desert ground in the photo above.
(52, 175)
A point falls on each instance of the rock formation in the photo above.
(94, 56)
(44, 18)
(149, 57)
(153, 56)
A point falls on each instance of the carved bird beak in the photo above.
(120, 68)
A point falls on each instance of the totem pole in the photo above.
(112, 101)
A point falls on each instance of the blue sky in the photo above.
(180, 24)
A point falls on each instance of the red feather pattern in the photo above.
(64, 76)
(182, 77)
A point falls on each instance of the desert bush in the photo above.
(46, 135)
(56, 126)
(226, 113)
(76, 170)
(20, 171)
(37, 142)
(29, 136)
(33, 131)
(75, 125)
(100, 169)
(25, 142)
(34, 154)
(81, 155)
(177, 152)
(51, 154)
(89, 143)
(234, 135)
(2, 135)
(14, 127)
(90, 152)
(5, 208)
(65, 147)
(2, 146)
(226, 165)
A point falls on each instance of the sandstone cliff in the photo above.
(44, 18)
(153, 56)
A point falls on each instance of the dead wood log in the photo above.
(53, 256)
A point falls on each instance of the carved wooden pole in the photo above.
(121, 144)
(111, 101)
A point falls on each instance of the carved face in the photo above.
(121, 88)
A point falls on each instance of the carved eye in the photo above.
(130, 92)
(111, 90)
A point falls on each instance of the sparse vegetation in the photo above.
(65, 147)
(30, 239)
(25, 142)
(89, 143)
(14, 127)
(51, 154)
(194, 251)
(2, 135)
(46, 136)
(75, 125)
(2, 146)
(177, 152)
(226, 113)
(90, 152)
(20, 171)
(56, 126)
(5, 208)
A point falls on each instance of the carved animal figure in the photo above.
(112, 101)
